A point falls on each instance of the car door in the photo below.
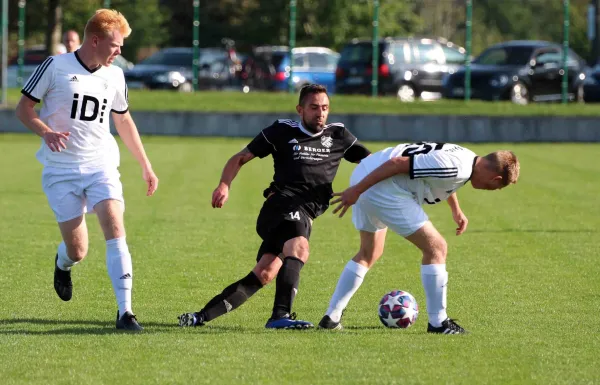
(322, 69)
(430, 70)
(545, 74)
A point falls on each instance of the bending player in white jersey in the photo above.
(389, 188)
(79, 154)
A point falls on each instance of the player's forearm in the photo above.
(390, 168)
(130, 136)
(231, 169)
(30, 119)
(453, 203)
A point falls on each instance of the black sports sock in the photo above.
(232, 297)
(286, 286)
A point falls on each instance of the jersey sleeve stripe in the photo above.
(37, 75)
(350, 145)
(30, 96)
(436, 169)
(436, 173)
(120, 112)
(263, 134)
(436, 176)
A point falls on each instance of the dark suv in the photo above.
(521, 71)
(408, 67)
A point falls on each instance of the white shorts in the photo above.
(72, 192)
(378, 209)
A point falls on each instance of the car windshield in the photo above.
(358, 53)
(183, 59)
(505, 56)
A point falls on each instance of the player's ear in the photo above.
(299, 109)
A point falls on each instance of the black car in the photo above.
(591, 87)
(521, 71)
(171, 68)
(408, 67)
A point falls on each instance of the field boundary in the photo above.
(470, 129)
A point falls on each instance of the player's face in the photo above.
(71, 41)
(314, 111)
(109, 47)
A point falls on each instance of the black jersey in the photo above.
(305, 163)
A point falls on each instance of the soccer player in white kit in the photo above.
(81, 157)
(388, 189)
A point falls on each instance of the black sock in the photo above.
(286, 286)
(232, 297)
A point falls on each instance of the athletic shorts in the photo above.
(383, 206)
(279, 221)
(72, 192)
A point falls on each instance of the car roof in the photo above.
(284, 49)
(526, 43)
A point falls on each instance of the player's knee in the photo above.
(77, 252)
(297, 247)
(265, 275)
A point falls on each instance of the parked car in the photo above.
(268, 67)
(521, 71)
(32, 58)
(591, 86)
(171, 68)
(408, 67)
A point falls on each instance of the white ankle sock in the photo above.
(120, 271)
(64, 262)
(349, 282)
(435, 278)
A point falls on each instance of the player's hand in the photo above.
(151, 180)
(461, 220)
(220, 196)
(56, 140)
(345, 199)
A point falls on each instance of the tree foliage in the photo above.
(328, 23)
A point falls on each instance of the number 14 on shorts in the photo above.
(294, 215)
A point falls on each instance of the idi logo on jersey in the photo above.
(90, 107)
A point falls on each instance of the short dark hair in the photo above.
(310, 89)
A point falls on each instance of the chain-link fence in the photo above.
(441, 31)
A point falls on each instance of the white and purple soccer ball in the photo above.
(398, 309)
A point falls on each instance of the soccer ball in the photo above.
(398, 309)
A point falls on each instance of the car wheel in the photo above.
(185, 87)
(519, 93)
(406, 93)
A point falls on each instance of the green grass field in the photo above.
(523, 280)
(340, 104)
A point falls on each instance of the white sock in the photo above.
(64, 262)
(435, 278)
(350, 280)
(120, 271)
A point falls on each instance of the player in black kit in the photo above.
(306, 157)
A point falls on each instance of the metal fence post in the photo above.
(292, 44)
(4, 33)
(468, 40)
(196, 45)
(376, 53)
(21, 42)
(565, 74)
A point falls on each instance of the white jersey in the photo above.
(78, 100)
(436, 170)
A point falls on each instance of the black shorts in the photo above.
(279, 221)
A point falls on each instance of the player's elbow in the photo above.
(400, 164)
